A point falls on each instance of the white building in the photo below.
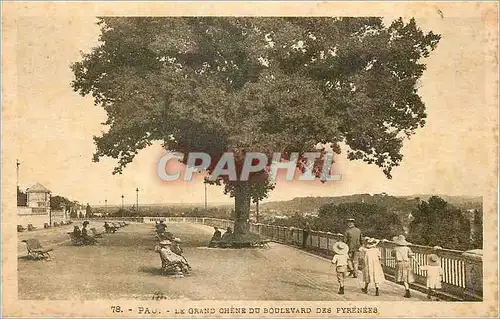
(38, 198)
(37, 211)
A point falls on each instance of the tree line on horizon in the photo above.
(434, 222)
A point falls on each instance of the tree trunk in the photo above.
(242, 210)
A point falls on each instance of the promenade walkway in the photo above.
(124, 266)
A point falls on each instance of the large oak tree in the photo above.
(233, 84)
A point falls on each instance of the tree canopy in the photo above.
(438, 223)
(234, 84)
(373, 220)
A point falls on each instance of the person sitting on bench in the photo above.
(76, 232)
(88, 240)
(168, 257)
(176, 247)
(227, 238)
(109, 229)
(161, 227)
(216, 237)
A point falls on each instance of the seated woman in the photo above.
(108, 228)
(216, 237)
(88, 240)
(227, 238)
(177, 249)
(171, 261)
(76, 232)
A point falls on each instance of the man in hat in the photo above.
(353, 239)
(216, 237)
(161, 227)
(340, 260)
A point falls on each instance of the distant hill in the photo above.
(395, 203)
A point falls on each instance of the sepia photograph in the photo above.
(216, 160)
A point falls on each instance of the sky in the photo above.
(50, 127)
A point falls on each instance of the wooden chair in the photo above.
(31, 227)
(172, 268)
(56, 224)
(20, 228)
(76, 240)
(36, 250)
(95, 233)
(109, 228)
(46, 225)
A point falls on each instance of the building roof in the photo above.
(37, 188)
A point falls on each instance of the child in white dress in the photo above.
(372, 270)
(434, 275)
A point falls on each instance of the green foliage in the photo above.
(218, 84)
(57, 202)
(478, 229)
(22, 198)
(125, 212)
(373, 220)
(438, 223)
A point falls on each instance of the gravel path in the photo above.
(124, 266)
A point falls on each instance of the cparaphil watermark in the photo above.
(253, 162)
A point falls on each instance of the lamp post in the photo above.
(205, 197)
(50, 209)
(137, 199)
(17, 173)
(122, 205)
(257, 211)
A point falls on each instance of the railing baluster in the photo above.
(455, 265)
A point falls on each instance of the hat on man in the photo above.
(400, 240)
(177, 239)
(433, 260)
(165, 242)
(340, 248)
(86, 222)
(351, 220)
(372, 242)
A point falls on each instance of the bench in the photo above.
(172, 267)
(95, 233)
(76, 240)
(20, 228)
(109, 229)
(31, 227)
(36, 250)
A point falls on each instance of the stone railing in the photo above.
(463, 271)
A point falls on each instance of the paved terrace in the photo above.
(124, 265)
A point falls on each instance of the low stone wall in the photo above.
(26, 216)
